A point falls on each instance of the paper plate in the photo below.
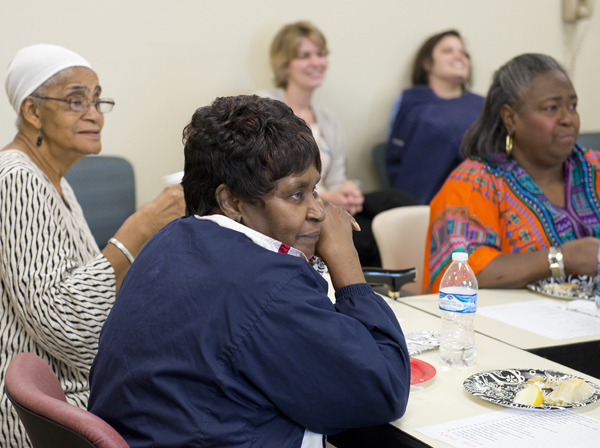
(420, 371)
(501, 386)
(569, 287)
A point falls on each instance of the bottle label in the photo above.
(458, 303)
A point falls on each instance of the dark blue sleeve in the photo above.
(328, 368)
(393, 113)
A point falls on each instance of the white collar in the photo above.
(262, 240)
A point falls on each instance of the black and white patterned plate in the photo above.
(584, 287)
(501, 386)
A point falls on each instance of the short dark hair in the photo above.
(246, 143)
(425, 54)
(486, 138)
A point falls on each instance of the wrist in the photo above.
(344, 267)
(139, 226)
(123, 249)
(133, 234)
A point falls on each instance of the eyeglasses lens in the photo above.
(104, 106)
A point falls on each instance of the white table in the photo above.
(493, 328)
(444, 398)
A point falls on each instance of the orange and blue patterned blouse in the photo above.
(486, 210)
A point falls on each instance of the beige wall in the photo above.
(160, 60)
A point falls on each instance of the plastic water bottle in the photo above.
(458, 303)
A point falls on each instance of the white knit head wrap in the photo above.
(33, 66)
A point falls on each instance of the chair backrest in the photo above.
(105, 189)
(42, 407)
(401, 234)
(590, 140)
(379, 158)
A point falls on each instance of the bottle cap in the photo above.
(460, 256)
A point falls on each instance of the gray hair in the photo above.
(42, 90)
(486, 138)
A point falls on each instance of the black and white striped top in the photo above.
(57, 288)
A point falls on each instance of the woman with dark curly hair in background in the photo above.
(428, 120)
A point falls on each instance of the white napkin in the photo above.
(584, 306)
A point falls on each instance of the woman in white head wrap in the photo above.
(57, 287)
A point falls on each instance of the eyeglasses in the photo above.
(103, 105)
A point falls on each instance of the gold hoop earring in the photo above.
(509, 144)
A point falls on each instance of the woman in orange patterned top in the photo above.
(524, 204)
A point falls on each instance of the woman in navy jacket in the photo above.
(428, 120)
(222, 333)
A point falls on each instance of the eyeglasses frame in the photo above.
(96, 103)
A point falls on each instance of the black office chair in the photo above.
(388, 282)
(105, 189)
(379, 158)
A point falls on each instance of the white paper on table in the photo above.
(545, 317)
(584, 306)
(517, 428)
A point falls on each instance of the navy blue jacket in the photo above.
(424, 144)
(216, 341)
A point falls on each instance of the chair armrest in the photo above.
(389, 281)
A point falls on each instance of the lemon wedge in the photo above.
(530, 396)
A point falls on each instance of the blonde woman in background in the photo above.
(299, 62)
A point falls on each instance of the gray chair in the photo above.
(105, 189)
(590, 140)
(379, 158)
